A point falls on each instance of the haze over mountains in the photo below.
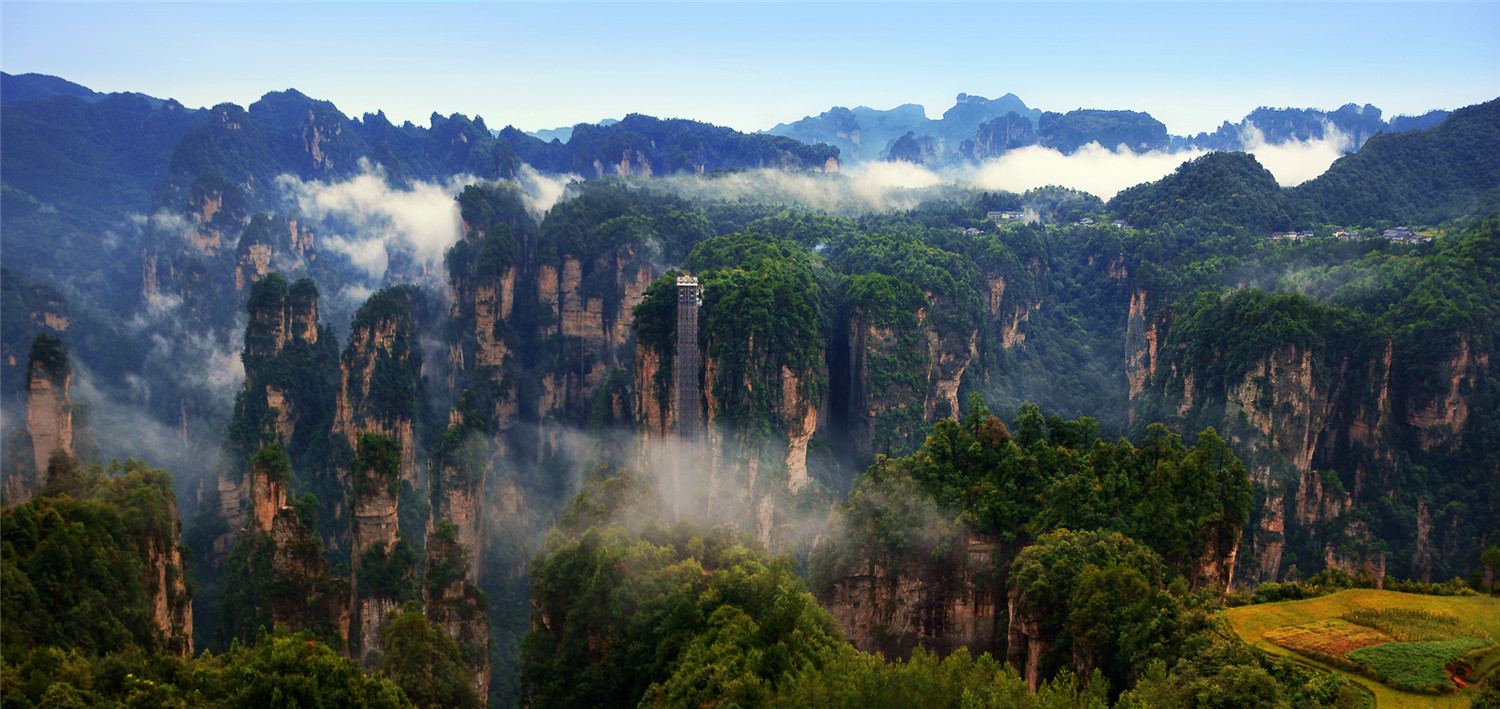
(976, 128)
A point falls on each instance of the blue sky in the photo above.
(751, 66)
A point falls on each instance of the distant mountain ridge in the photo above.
(562, 133)
(865, 133)
(976, 128)
(21, 88)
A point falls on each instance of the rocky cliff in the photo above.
(270, 244)
(454, 602)
(166, 571)
(999, 136)
(593, 322)
(379, 567)
(901, 376)
(49, 412)
(1320, 427)
(753, 474)
(940, 608)
(760, 411)
(380, 376)
(309, 596)
(285, 399)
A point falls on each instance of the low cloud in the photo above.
(542, 192)
(366, 219)
(1296, 161)
(877, 182)
(875, 186)
(1101, 171)
(1093, 168)
(124, 425)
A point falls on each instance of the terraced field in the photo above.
(1419, 633)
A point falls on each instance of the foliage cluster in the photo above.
(418, 656)
(1422, 176)
(764, 309)
(281, 669)
(376, 466)
(388, 573)
(48, 353)
(673, 616)
(75, 559)
(1057, 474)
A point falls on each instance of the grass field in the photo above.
(1259, 625)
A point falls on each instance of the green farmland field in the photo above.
(1477, 613)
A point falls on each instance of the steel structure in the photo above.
(689, 298)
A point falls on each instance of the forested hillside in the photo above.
(438, 431)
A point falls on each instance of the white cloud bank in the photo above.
(1093, 168)
(1104, 172)
(1297, 161)
(370, 219)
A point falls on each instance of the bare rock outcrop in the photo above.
(49, 412)
(890, 612)
(166, 574)
(374, 539)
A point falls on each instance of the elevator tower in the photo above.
(689, 298)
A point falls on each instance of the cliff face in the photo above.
(386, 341)
(1285, 413)
(1320, 429)
(49, 418)
(754, 474)
(483, 300)
(1141, 337)
(166, 572)
(593, 321)
(279, 318)
(454, 602)
(268, 245)
(1441, 416)
(656, 414)
(1002, 134)
(892, 613)
(373, 510)
(888, 408)
(312, 598)
(248, 504)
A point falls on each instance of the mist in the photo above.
(124, 427)
(366, 220)
(542, 192)
(1104, 173)
(1093, 168)
(878, 186)
(1297, 161)
(721, 478)
(867, 187)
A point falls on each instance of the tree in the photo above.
(1490, 558)
(423, 661)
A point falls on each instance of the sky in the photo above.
(751, 66)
